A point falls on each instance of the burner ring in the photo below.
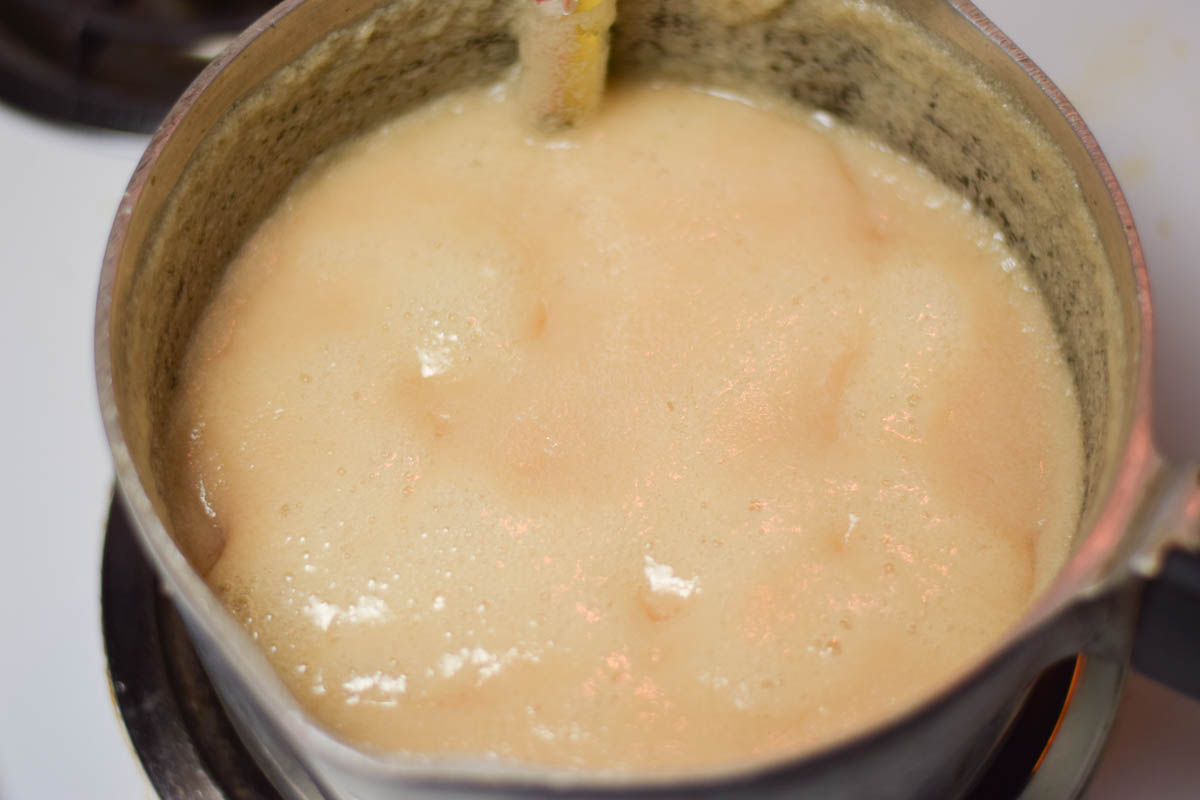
(189, 748)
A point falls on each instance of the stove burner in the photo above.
(112, 63)
(189, 748)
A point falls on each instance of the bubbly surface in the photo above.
(704, 433)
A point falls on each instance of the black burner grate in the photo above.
(111, 63)
(189, 749)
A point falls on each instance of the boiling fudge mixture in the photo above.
(707, 432)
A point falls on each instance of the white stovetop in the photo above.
(1133, 69)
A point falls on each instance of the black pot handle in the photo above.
(1166, 644)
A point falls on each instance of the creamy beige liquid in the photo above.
(703, 433)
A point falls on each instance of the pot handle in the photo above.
(1166, 643)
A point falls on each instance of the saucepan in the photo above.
(932, 78)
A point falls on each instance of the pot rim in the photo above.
(207, 617)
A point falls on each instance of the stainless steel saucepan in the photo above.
(934, 79)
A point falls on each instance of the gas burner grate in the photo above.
(111, 63)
